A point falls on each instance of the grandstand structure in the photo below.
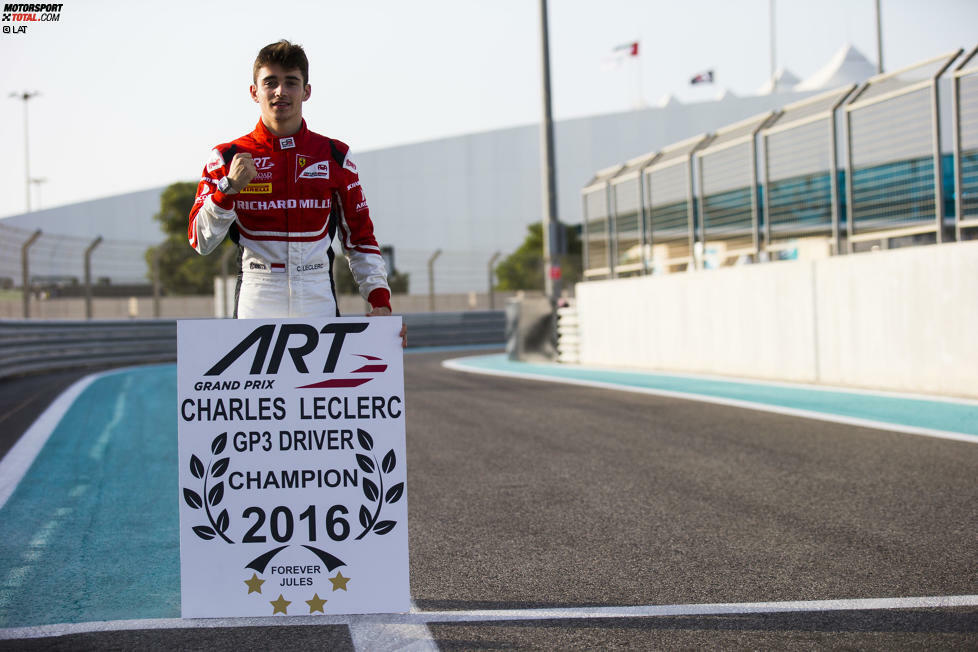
(889, 161)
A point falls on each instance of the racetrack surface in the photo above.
(544, 508)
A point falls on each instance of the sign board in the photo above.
(293, 494)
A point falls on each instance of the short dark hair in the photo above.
(288, 55)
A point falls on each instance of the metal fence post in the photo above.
(609, 229)
(938, 163)
(836, 207)
(88, 276)
(157, 254)
(26, 271)
(492, 294)
(959, 190)
(701, 204)
(431, 280)
(850, 171)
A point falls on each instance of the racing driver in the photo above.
(284, 193)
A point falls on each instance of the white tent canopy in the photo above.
(783, 80)
(667, 100)
(847, 66)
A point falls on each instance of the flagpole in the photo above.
(638, 57)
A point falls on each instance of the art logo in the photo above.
(303, 342)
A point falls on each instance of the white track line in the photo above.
(459, 365)
(383, 636)
(18, 459)
(405, 623)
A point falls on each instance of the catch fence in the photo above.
(855, 167)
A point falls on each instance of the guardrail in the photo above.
(43, 346)
(456, 328)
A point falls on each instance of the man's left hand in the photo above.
(383, 311)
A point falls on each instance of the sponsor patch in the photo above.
(306, 169)
(215, 161)
(286, 143)
(264, 163)
(257, 189)
(350, 165)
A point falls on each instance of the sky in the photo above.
(134, 95)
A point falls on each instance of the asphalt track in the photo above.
(542, 516)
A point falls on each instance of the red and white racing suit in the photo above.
(306, 193)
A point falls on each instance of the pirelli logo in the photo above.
(257, 189)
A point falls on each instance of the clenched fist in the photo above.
(242, 171)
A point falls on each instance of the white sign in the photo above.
(293, 495)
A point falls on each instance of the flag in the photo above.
(627, 49)
(619, 54)
(705, 77)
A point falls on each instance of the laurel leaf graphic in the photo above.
(220, 466)
(370, 489)
(390, 461)
(196, 467)
(384, 527)
(217, 446)
(366, 441)
(394, 493)
(364, 516)
(204, 532)
(365, 463)
(192, 498)
(223, 521)
(216, 494)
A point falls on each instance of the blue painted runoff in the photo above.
(91, 532)
(958, 417)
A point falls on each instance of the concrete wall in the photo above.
(901, 320)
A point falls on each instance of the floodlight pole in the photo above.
(551, 225)
(774, 58)
(879, 40)
(25, 96)
(38, 182)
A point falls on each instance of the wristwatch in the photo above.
(224, 185)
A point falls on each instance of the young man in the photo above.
(284, 193)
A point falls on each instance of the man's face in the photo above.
(280, 93)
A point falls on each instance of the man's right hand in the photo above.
(242, 171)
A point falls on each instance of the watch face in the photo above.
(224, 185)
